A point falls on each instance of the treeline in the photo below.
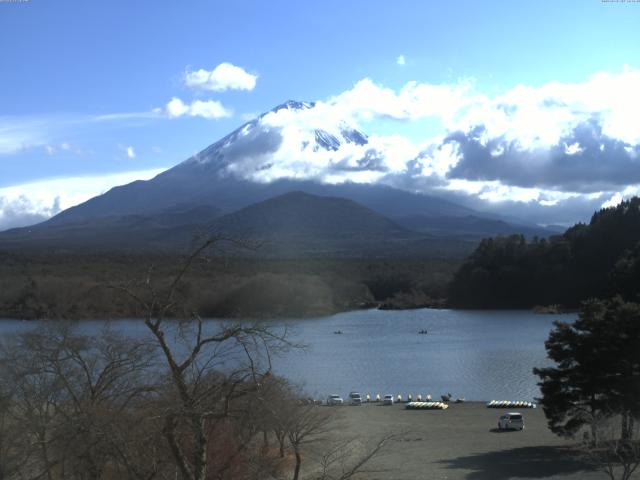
(78, 286)
(588, 261)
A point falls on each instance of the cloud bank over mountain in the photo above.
(530, 149)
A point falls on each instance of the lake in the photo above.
(479, 355)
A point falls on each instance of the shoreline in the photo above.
(300, 316)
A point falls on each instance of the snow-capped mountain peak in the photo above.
(293, 105)
(292, 140)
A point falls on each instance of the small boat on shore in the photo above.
(510, 404)
(426, 406)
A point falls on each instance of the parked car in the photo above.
(387, 400)
(334, 400)
(511, 421)
(355, 398)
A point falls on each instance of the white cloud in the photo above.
(494, 192)
(532, 116)
(176, 107)
(225, 76)
(28, 203)
(618, 197)
(615, 199)
(131, 152)
(573, 148)
(62, 147)
(211, 109)
(540, 116)
(367, 101)
(208, 109)
(401, 60)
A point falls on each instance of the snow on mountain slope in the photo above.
(290, 141)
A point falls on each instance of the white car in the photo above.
(387, 400)
(511, 421)
(355, 398)
(334, 400)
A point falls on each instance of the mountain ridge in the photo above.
(207, 188)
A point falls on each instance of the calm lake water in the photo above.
(479, 355)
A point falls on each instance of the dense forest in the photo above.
(595, 260)
(79, 286)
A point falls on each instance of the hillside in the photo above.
(594, 260)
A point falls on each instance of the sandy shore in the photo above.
(462, 442)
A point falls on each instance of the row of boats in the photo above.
(401, 399)
(510, 404)
(426, 406)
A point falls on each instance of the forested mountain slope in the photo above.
(594, 260)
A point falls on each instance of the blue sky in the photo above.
(85, 85)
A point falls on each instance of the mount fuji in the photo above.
(241, 169)
(268, 157)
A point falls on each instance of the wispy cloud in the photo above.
(22, 133)
(199, 108)
(225, 76)
(401, 60)
(111, 117)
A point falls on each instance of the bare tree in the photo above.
(615, 453)
(10, 438)
(310, 432)
(210, 368)
(347, 458)
(304, 425)
(71, 395)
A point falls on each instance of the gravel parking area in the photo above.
(462, 442)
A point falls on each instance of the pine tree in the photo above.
(597, 372)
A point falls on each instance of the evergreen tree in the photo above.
(596, 260)
(597, 372)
